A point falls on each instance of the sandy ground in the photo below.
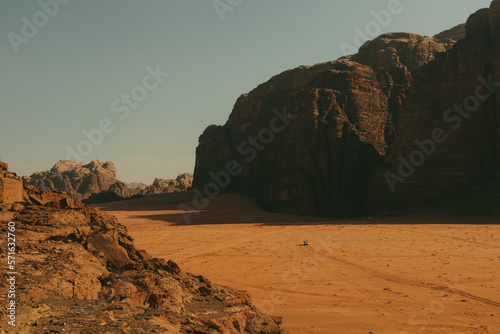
(395, 275)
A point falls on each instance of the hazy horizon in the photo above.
(74, 70)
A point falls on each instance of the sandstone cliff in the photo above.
(342, 118)
(447, 141)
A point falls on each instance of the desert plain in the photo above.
(417, 274)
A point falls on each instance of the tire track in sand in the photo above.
(404, 281)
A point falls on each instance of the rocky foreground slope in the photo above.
(79, 272)
(323, 139)
(96, 182)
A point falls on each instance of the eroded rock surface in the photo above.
(160, 186)
(96, 182)
(355, 119)
(79, 272)
(79, 180)
(453, 101)
(343, 118)
(11, 186)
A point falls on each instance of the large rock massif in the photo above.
(447, 141)
(96, 182)
(79, 180)
(79, 272)
(347, 122)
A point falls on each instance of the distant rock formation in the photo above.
(160, 186)
(96, 182)
(136, 185)
(347, 122)
(79, 180)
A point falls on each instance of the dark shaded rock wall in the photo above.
(342, 117)
(448, 97)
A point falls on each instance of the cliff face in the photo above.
(318, 154)
(352, 126)
(447, 139)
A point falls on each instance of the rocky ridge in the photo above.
(96, 182)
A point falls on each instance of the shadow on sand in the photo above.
(237, 209)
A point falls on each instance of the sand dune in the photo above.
(397, 275)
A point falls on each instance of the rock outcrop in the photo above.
(136, 185)
(348, 121)
(79, 180)
(96, 182)
(80, 273)
(11, 186)
(160, 186)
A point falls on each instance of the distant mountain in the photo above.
(96, 182)
(79, 180)
(136, 185)
(160, 186)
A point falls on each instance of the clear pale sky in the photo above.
(66, 77)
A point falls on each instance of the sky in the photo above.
(136, 82)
